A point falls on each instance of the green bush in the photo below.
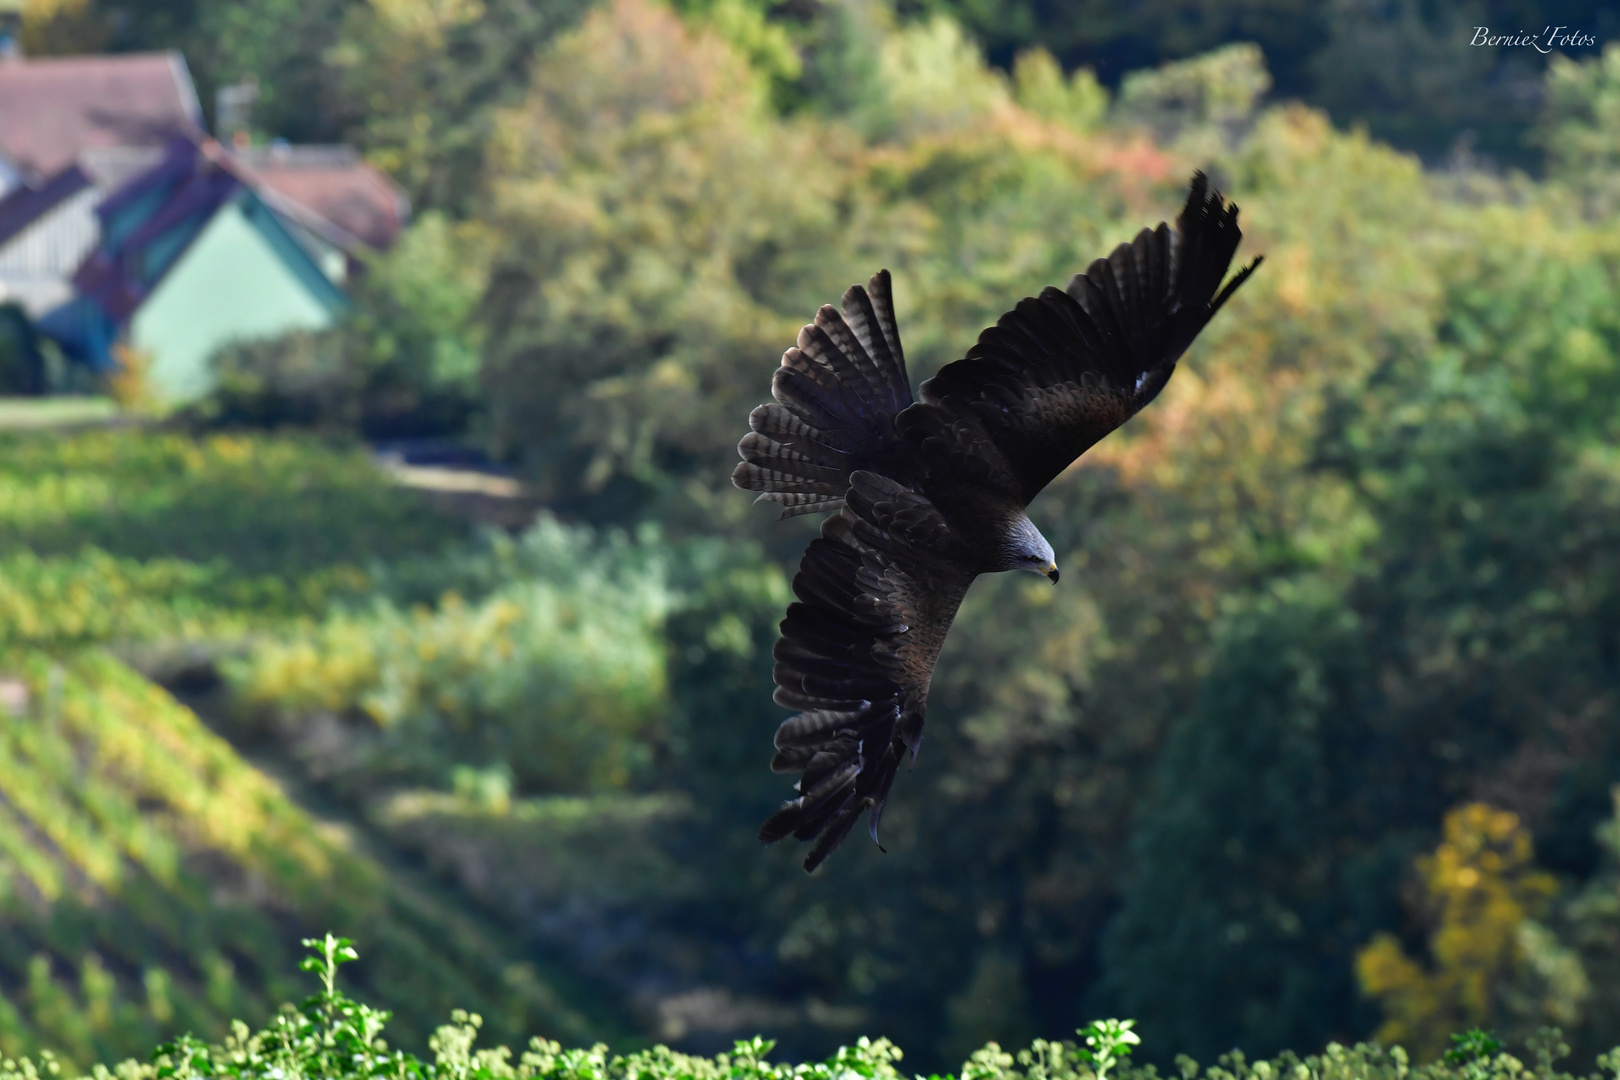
(559, 674)
(330, 1034)
(22, 368)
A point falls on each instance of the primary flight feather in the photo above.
(931, 493)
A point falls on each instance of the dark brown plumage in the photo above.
(929, 494)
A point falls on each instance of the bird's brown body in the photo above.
(931, 493)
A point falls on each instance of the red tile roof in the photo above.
(333, 182)
(55, 108)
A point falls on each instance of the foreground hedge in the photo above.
(331, 1035)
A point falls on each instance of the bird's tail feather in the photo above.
(837, 393)
(850, 735)
(847, 771)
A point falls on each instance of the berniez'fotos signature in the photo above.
(1550, 38)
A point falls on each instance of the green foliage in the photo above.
(1581, 116)
(1473, 1050)
(426, 79)
(1213, 93)
(1587, 922)
(663, 233)
(633, 278)
(22, 367)
(301, 379)
(418, 305)
(747, 27)
(256, 506)
(403, 364)
(559, 674)
(1404, 70)
(1108, 1043)
(150, 873)
(330, 1035)
(1079, 99)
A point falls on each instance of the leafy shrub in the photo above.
(558, 674)
(331, 1035)
(303, 378)
(22, 367)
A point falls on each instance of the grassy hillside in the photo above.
(150, 879)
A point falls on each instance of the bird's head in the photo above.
(1024, 548)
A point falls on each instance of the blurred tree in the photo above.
(1480, 894)
(746, 25)
(1204, 104)
(1041, 87)
(56, 27)
(427, 77)
(1590, 924)
(1248, 872)
(1405, 69)
(664, 234)
(1456, 643)
(653, 221)
(1581, 128)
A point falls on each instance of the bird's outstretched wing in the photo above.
(837, 394)
(876, 595)
(1063, 369)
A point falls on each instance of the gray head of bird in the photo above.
(1024, 548)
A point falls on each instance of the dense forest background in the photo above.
(1315, 741)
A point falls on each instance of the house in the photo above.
(58, 117)
(194, 254)
(125, 224)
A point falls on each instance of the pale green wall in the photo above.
(231, 284)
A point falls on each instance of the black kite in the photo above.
(931, 493)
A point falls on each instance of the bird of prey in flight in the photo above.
(930, 492)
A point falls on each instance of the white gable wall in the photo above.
(37, 265)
